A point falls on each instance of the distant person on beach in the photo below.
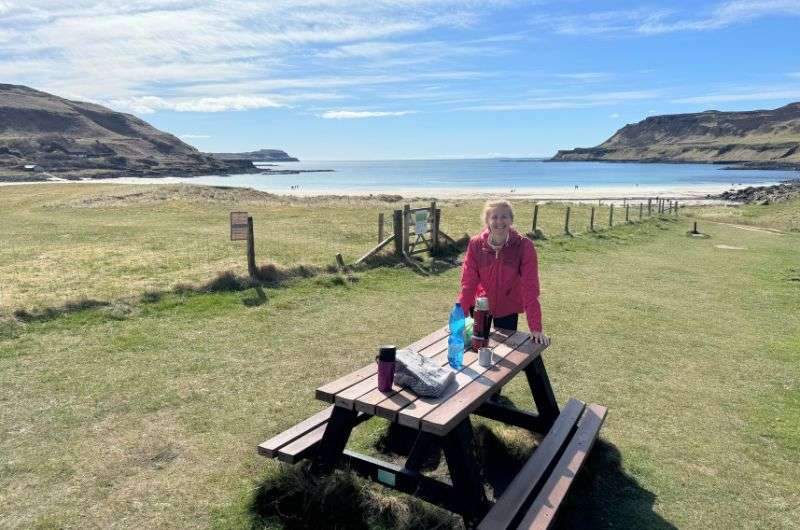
(501, 265)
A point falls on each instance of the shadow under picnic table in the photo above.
(604, 495)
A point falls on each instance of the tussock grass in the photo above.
(10, 328)
(292, 497)
(49, 313)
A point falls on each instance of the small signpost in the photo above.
(242, 230)
(238, 226)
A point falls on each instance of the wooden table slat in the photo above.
(328, 391)
(444, 418)
(411, 414)
(388, 408)
(346, 398)
(367, 402)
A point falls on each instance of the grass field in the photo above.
(781, 216)
(67, 242)
(146, 413)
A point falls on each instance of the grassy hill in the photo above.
(74, 139)
(760, 138)
(146, 413)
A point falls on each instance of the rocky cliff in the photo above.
(759, 138)
(262, 155)
(70, 139)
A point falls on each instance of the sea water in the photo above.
(491, 174)
(409, 177)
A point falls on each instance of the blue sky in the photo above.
(346, 79)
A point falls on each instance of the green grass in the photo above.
(101, 241)
(146, 413)
(780, 216)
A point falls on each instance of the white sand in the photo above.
(685, 193)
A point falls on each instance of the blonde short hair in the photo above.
(491, 205)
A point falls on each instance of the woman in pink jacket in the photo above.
(501, 265)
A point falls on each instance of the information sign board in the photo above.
(238, 226)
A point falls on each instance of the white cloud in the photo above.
(193, 136)
(647, 21)
(565, 101)
(358, 114)
(221, 55)
(763, 93)
(585, 76)
(150, 104)
(614, 115)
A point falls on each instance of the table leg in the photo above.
(542, 392)
(424, 447)
(465, 472)
(334, 440)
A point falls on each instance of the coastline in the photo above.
(686, 193)
(744, 165)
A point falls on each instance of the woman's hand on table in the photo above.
(540, 338)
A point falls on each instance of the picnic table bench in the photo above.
(532, 498)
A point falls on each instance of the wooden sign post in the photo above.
(238, 226)
(242, 230)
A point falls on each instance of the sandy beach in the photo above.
(688, 194)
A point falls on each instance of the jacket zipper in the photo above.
(497, 273)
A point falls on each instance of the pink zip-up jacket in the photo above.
(509, 278)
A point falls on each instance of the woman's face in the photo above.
(498, 220)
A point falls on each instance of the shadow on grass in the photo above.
(444, 258)
(269, 275)
(602, 496)
(605, 496)
(294, 498)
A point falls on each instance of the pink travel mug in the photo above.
(385, 359)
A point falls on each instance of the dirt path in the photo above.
(751, 228)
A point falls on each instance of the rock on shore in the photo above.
(762, 194)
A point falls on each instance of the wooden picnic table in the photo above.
(442, 422)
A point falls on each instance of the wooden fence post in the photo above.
(397, 225)
(434, 227)
(627, 212)
(406, 227)
(676, 208)
(611, 215)
(380, 227)
(649, 207)
(591, 220)
(641, 207)
(566, 223)
(535, 217)
(251, 249)
(438, 224)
